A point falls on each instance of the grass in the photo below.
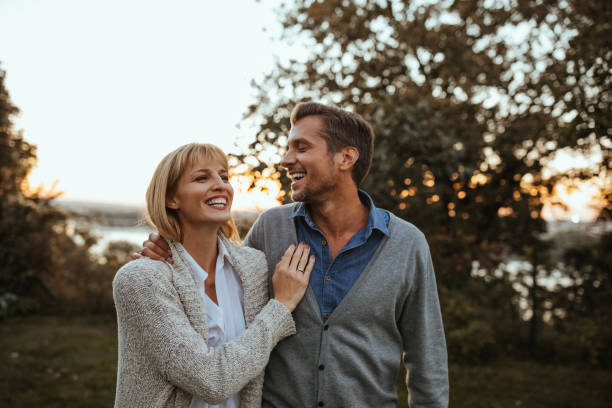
(525, 384)
(58, 361)
(53, 361)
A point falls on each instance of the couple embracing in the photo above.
(315, 309)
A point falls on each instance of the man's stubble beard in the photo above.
(310, 196)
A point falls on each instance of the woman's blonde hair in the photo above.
(165, 182)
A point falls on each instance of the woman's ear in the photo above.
(172, 203)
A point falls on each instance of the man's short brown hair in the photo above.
(342, 129)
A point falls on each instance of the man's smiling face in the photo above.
(308, 162)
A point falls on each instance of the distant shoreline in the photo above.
(130, 216)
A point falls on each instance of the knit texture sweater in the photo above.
(352, 360)
(163, 356)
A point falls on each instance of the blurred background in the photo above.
(494, 137)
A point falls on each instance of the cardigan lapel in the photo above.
(383, 251)
(185, 285)
(309, 302)
(194, 305)
(245, 275)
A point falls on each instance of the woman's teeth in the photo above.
(217, 202)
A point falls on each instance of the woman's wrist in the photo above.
(281, 315)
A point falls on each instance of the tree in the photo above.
(586, 304)
(469, 100)
(39, 257)
(24, 221)
(16, 155)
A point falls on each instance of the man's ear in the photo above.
(172, 203)
(347, 157)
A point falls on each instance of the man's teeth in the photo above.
(298, 176)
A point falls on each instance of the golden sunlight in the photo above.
(40, 191)
(260, 197)
(575, 200)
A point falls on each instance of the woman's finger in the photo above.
(152, 248)
(297, 255)
(286, 259)
(309, 267)
(159, 241)
(301, 267)
(149, 253)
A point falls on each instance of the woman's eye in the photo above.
(201, 178)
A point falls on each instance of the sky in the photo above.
(107, 88)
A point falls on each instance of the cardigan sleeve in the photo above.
(149, 305)
(423, 334)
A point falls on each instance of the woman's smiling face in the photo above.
(203, 194)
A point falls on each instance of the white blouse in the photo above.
(225, 320)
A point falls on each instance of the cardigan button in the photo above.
(321, 403)
(326, 327)
(321, 367)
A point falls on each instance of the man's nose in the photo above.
(288, 159)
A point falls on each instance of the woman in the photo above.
(199, 332)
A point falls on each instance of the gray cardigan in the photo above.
(163, 356)
(353, 359)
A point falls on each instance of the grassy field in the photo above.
(53, 361)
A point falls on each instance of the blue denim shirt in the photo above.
(331, 280)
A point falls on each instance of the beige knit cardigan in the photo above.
(163, 356)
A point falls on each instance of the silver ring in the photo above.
(301, 270)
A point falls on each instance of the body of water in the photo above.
(106, 234)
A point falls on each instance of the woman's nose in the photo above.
(221, 183)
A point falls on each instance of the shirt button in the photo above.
(321, 367)
(323, 242)
(328, 278)
(326, 315)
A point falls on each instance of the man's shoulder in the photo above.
(276, 213)
(404, 230)
(245, 253)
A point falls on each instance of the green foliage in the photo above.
(16, 155)
(471, 343)
(472, 319)
(465, 117)
(469, 101)
(41, 258)
(587, 304)
(82, 280)
(26, 223)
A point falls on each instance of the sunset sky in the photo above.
(107, 88)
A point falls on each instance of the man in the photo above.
(372, 292)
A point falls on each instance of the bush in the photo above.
(473, 343)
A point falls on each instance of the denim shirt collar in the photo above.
(376, 217)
